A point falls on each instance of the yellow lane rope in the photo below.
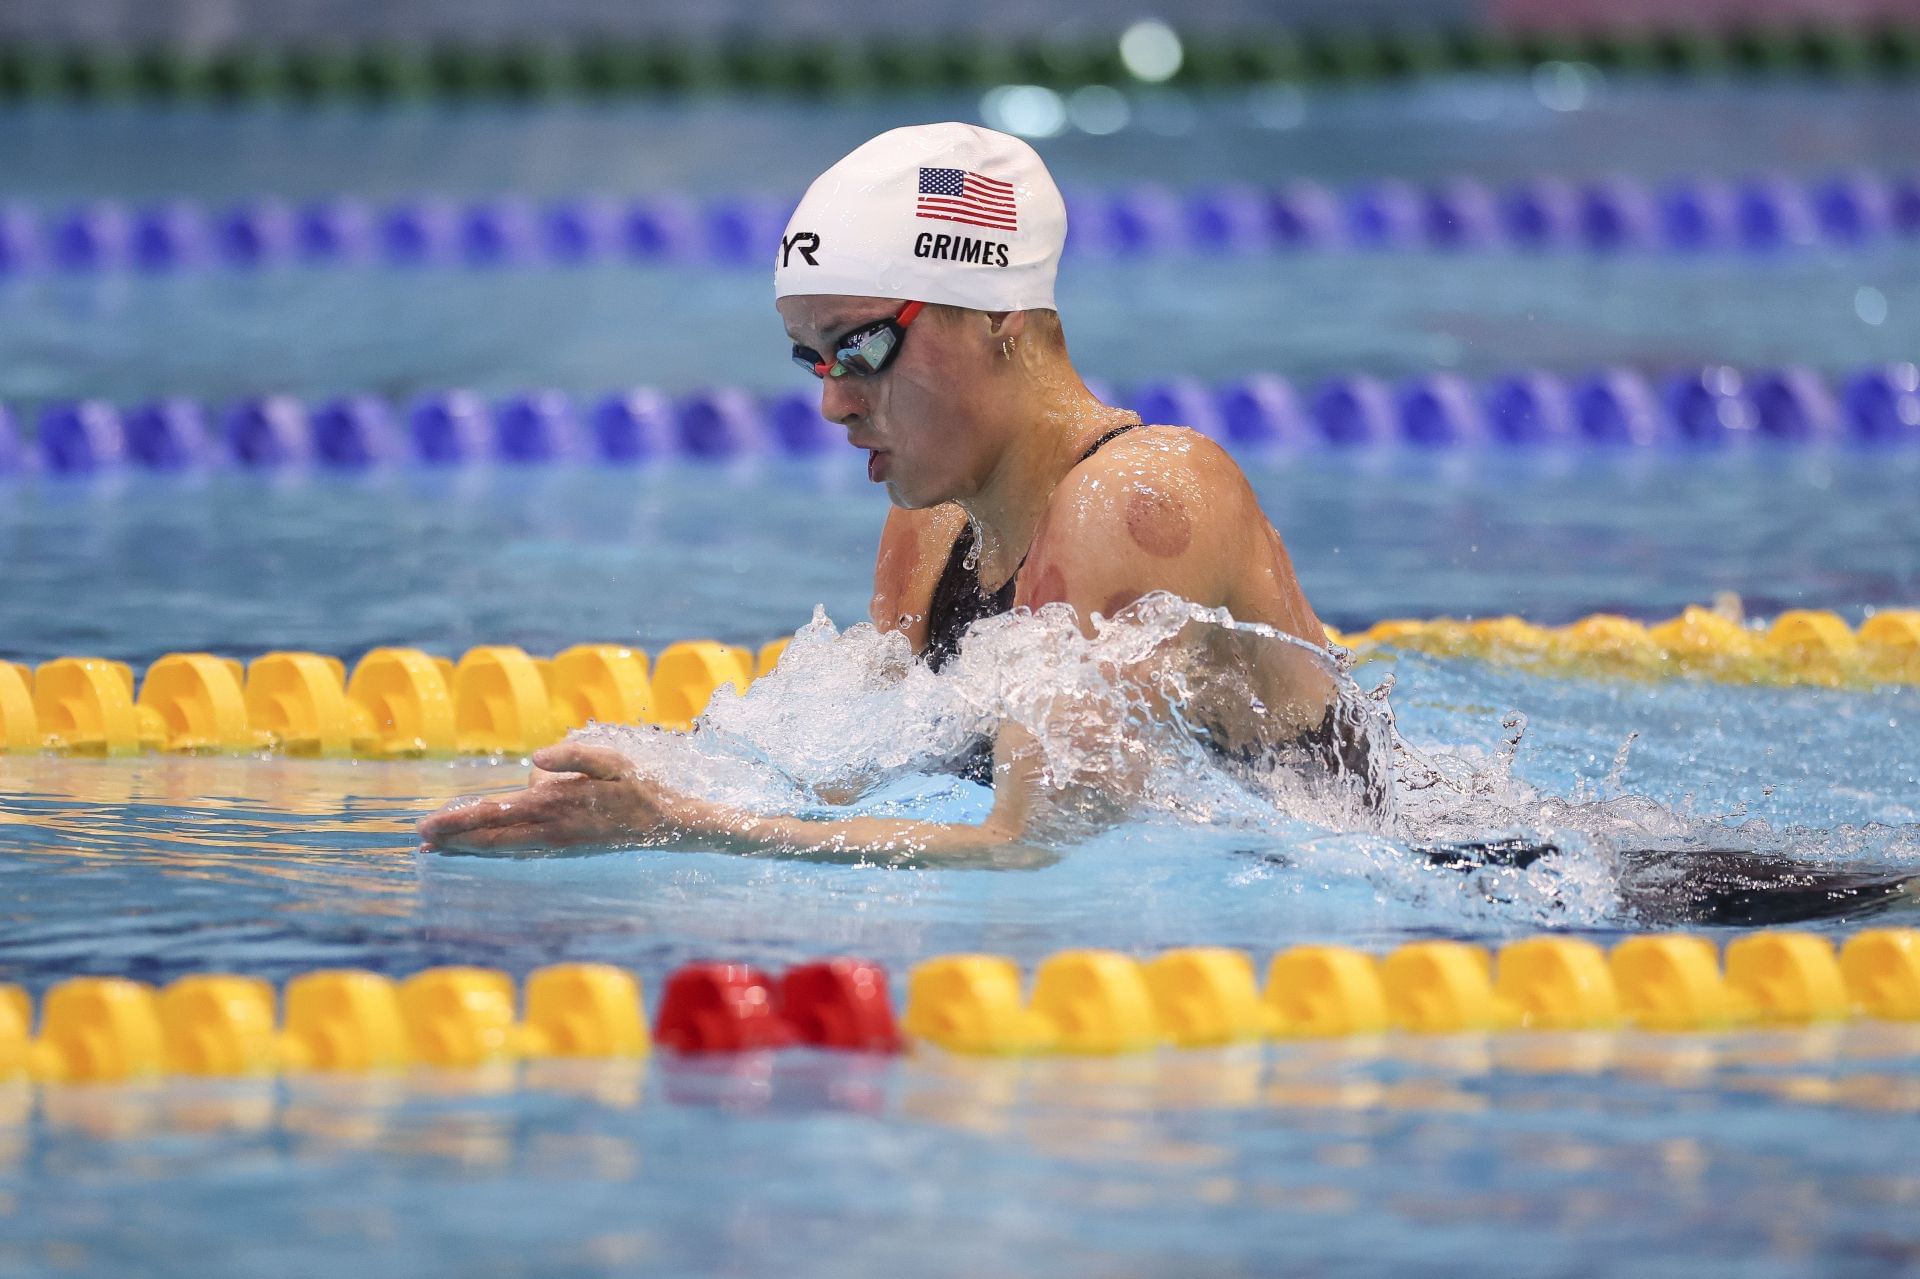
(500, 700)
(1081, 1003)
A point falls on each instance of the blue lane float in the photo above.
(355, 431)
(1443, 411)
(1619, 407)
(1761, 214)
(170, 435)
(540, 427)
(1532, 409)
(80, 438)
(270, 432)
(449, 429)
(1696, 409)
(1264, 411)
(637, 426)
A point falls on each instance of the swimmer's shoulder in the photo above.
(1238, 550)
(914, 546)
(1166, 508)
(1168, 451)
(1143, 514)
(1170, 470)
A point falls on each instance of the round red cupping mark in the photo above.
(1158, 523)
(1049, 586)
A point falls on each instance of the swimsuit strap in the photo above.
(1103, 441)
(1092, 448)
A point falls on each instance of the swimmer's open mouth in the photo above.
(877, 464)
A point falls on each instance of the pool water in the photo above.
(1756, 1152)
(315, 333)
(1750, 1154)
(551, 556)
(1750, 1158)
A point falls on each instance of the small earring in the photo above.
(1006, 349)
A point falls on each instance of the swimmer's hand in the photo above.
(579, 796)
(589, 797)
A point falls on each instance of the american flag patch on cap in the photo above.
(961, 195)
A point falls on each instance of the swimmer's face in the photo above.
(915, 417)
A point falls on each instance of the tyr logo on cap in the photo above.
(805, 242)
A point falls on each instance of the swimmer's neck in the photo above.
(1057, 419)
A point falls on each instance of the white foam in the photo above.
(849, 714)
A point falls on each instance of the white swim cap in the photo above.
(948, 213)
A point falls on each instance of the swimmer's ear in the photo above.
(1006, 324)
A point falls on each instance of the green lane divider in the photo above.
(612, 68)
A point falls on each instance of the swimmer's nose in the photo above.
(841, 400)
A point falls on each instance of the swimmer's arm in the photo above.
(914, 547)
(591, 797)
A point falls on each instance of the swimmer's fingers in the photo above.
(602, 763)
(542, 805)
(524, 820)
(563, 812)
(466, 815)
(492, 839)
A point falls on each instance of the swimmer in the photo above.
(916, 280)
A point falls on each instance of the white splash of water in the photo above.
(846, 711)
(1127, 711)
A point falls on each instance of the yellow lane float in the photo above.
(501, 700)
(1801, 646)
(399, 702)
(1083, 1003)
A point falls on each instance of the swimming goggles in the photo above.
(864, 351)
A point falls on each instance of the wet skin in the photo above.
(1160, 508)
(980, 416)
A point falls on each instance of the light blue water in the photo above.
(276, 868)
(805, 1166)
(1755, 1155)
(145, 565)
(220, 336)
